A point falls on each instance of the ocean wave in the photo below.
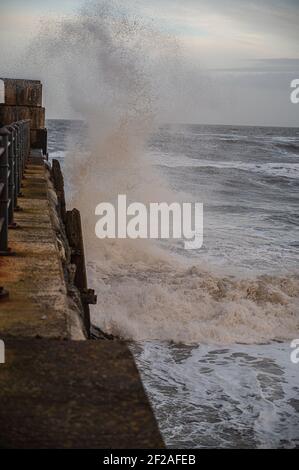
(288, 146)
(281, 169)
(150, 299)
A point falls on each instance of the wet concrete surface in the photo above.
(37, 303)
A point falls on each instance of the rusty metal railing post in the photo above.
(16, 192)
(3, 197)
(4, 174)
(18, 172)
(22, 149)
(11, 176)
(21, 163)
(14, 152)
(24, 143)
(28, 138)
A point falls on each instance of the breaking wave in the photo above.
(154, 299)
(119, 76)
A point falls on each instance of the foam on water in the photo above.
(150, 299)
(291, 170)
(240, 397)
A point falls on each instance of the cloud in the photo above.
(255, 28)
(239, 55)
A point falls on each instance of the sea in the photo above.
(212, 330)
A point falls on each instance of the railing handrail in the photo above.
(14, 152)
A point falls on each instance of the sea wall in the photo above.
(69, 238)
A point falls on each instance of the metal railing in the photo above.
(14, 151)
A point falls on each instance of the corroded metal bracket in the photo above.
(89, 297)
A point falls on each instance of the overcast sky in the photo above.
(247, 51)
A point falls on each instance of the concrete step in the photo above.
(73, 394)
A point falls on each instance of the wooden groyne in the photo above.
(23, 101)
(58, 388)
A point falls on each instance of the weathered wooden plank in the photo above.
(9, 114)
(74, 234)
(58, 181)
(22, 92)
(10, 92)
(38, 139)
(29, 94)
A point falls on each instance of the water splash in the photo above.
(118, 72)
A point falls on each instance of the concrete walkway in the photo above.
(37, 303)
(56, 392)
(73, 394)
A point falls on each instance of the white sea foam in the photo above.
(290, 170)
(209, 397)
(145, 299)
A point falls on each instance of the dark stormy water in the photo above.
(212, 342)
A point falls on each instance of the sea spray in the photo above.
(112, 67)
